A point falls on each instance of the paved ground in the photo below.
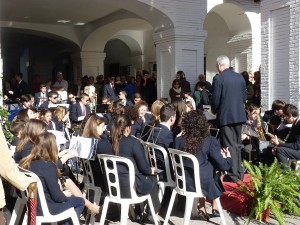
(231, 219)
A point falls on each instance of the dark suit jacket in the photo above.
(76, 111)
(165, 137)
(44, 105)
(228, 97)
(210, 159)
(37, 97)
(20, 89)
(109, 92)
(293, 137)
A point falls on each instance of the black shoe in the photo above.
(202, 215)
(215, 213)
(148, 218)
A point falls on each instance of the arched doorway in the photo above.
(229, 33)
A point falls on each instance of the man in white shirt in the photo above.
(60, 84)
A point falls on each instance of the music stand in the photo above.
(148, 132)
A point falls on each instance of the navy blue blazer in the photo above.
(210, 159)
(293, 137)
(47, 172)
(44, 105)
(164, 138)
(132, 149)
(18, 156)
(37, 97)
(228, 97)
(76, 111)
(109, 92)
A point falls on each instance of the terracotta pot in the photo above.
(265, 216)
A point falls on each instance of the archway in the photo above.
(229, 33)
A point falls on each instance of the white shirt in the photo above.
(63, 84)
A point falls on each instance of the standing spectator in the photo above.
(21, 86)
(148, 88)
(110, 90)
(10, 172)
(36, 83)
(229, 95)
(187, 97)
(249, 87)
(208, 86)
(130, 87)
(99, 86)
(60, 84)
(175, 91)
(184, 84)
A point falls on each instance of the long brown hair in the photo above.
(32, 129)
(117, 131)
(89, 126)
(59, 113)
(44, 148)
(195, 129)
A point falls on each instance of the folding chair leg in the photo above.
(104, 211)
(161, 191)
(152, 210)
(124, 213)
(221, 211)
(170, 207)
(17, 212)
(188, 209)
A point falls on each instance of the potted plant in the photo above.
(5, 124)
(272, 189)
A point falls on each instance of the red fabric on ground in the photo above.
(236, 202)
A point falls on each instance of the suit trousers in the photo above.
(230, 136)
(284, 154)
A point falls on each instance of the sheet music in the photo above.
(84, 147)
(60, 137)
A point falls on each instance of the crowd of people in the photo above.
(127, 107)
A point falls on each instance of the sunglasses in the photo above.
(54, 97)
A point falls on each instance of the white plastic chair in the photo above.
(109, 163)
(18, 209)
(89, 184)
(47, 216)
(151, 148)
(177, 159)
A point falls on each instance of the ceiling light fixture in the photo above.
(63, 21)
(79, 24)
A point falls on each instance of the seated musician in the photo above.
(52, 100)
(79, 110)
(291, 148)
(277, 107)
(250, 136)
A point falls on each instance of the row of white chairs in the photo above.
(109, 162)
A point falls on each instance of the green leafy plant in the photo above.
(272, 188)
(5, 124)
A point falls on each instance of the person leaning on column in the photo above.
(10, 172)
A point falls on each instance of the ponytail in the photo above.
(117, 131)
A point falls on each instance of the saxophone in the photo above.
(260, 129)
(272, 136)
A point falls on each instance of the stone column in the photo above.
(92, 63)
(178, 52)
(1, 77)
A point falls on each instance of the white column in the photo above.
(92, 63)
(178, 52)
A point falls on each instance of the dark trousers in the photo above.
(230, 136)
(283, 154)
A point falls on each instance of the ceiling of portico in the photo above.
(79, 17)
